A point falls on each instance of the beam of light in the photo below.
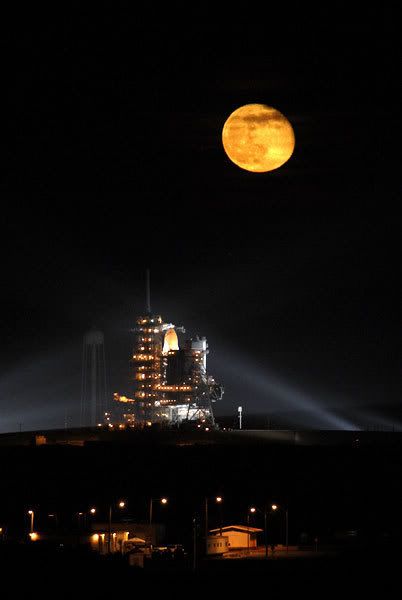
(37, 394)
(265, 383)
(373, 420)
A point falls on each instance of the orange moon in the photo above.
(258, 138)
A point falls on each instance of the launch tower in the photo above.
(170, 383)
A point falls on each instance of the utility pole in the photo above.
(206, 525)
(194, 542)
(287, 531)
(110, 529)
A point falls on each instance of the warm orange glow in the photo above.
(95, 537)
(258, 138)
(174, 388)
(164, 500)
(171, 341)
(93, 511)
(252, 509)
(219, 499)
(143, 357)
(274, 507)
(34, 536)
(122, 504)
(119, 398)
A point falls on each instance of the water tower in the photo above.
(93, 394)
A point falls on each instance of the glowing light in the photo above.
(123, 399)
(219, 499)
(173, 388)
(164, 500)
(34, 536)
(122, 504)
(95, 537)
(253, 509)
(258, 138)
(93, 511)
(274, 507)
(171, 342)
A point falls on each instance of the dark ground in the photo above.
(50, 574)
(327, 489)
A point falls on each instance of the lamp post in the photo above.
(163, 501)
(79, 519)
(195, 528)
(248, 533)
(287, 530)
(121, 505)
(32, 514)
(218, 500)
(56, 520)
(251, 510)
(265, 512)
(285, 510)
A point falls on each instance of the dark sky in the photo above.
(115, 163)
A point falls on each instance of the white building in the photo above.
(217, 544)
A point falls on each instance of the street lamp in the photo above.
(265, 512)
(121, 505)
(218, 500)
(286, 525)
(32, 514)
(163, 501)
(56, 519)
(252, 511)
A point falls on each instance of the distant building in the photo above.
(121, 534)
(238, 536)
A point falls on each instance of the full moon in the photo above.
(258, 138)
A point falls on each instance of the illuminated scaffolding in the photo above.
(170, 384)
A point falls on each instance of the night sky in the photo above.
(115, 164)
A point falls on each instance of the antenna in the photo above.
(148, 292)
